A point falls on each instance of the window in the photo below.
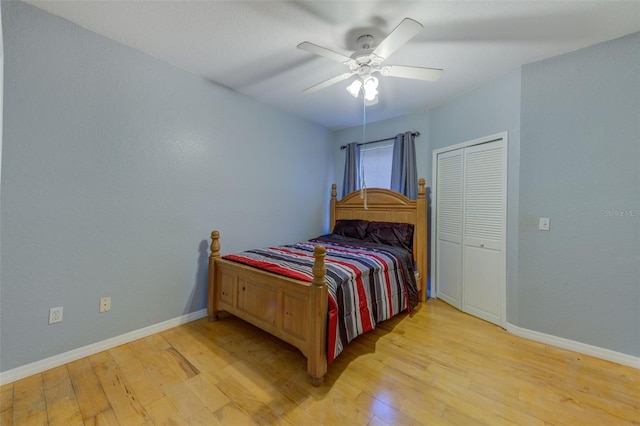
(376, 161)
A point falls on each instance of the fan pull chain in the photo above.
(363, 187)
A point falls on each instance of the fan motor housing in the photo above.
(365, 42)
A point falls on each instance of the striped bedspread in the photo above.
(367, 283)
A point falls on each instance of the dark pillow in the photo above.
(391, 234)
(353, 228)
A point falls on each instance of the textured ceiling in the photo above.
(250, 46)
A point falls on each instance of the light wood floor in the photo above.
(438, 366)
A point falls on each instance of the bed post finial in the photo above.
(421, 187)
(334, 191)
(319, 269)
(215, 244)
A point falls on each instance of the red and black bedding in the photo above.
(368, 281)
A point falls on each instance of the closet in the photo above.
(470, 182)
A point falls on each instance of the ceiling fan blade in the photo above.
(323, 51)
(327, 83)
(401, 34)
(417, 73)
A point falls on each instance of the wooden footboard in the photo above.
(294, 311)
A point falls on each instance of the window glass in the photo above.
(376, 162)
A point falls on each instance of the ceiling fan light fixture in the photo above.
(370, 88)
(371, 102)
(354, 88)
(370, 83)
(371, 94)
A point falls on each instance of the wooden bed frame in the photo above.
(296, 311)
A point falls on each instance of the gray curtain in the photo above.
(404, 175)
(351, 180)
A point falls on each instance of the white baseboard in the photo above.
(75, 354)
(583, 348)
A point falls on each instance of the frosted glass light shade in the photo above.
(370, 88)
(354, 88)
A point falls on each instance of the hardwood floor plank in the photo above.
(188, 369)
(204, 387)
(339, 406)
(204, 417)
(252, 405)
(122, 399)
(210, 364)
(62, 406)
(29, 407)
(184, 399)
(156, 363)
(376, 421)
(141, 383)
(6, 404)
(104, 418)
(232, 414)
(89, 393)
(130, 365)
(384, 408)
(426, 410)
(6, 417)
(163, 412)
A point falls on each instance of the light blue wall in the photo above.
(581, 168)
(115, 169)
(573, 125)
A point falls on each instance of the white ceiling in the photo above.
(250, 46)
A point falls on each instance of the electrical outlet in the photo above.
(105, 304)
(544, 224)
(55, 315)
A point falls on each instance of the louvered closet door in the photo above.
(449, 227)
(484, 228)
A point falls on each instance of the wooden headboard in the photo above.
(384, 205)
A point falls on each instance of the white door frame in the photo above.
(434, 178)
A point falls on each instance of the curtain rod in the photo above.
(415, 134)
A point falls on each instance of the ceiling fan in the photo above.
(368, 61)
